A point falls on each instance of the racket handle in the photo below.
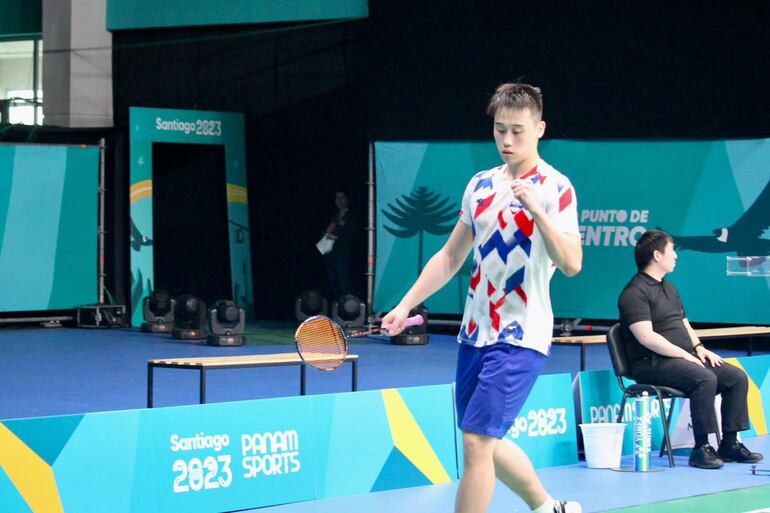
(415, 320)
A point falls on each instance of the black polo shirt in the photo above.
(646, 299)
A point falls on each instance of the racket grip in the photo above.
(415, 320)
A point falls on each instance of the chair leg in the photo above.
(665, 417)
(620, 413)
(670, 414)
(718, 435)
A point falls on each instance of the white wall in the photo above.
(15, 74)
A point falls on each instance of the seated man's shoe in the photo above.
(705, 457)
(737, 452)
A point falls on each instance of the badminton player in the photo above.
(520, 220)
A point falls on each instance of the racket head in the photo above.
(321, 343)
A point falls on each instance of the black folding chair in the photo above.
(623, 370)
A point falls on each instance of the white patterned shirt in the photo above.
(508, 296)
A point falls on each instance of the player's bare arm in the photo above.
(564, 248)
(436, 273)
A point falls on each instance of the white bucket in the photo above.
(603, 444)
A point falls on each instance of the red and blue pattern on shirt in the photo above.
(511, 267)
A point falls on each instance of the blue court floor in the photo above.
(68, 371)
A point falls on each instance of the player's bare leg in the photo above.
(478, 482)
(515, 470)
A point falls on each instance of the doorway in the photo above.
(190, 223)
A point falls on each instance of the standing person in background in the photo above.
(520, 219)
(342, 230)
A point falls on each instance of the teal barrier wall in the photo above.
(691, 189)
(247, 454)
(229, 456)
(48, 226)
(142, 14)
(149, 126)
(545, 427)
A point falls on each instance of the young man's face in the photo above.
(517, 132)
(667, 259)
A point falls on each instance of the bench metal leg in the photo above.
(749, 348)
(354, 378)
(302, 378)
(150, 368)
(202, 386)
(582, 357)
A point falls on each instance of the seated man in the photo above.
(663, 349)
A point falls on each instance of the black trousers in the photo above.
(701, 385)
(338, 267)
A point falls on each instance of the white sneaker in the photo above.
(567, 507)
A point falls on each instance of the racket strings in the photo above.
(322, 342)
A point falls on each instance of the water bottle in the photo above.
(642, 433)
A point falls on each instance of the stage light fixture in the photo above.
(189, 318)
(227, 324)
(348, 311)
(414, 335)
(308, 304)
(158, 311)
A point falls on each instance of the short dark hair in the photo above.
(648, 244)
(516, 96)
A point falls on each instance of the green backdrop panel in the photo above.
(21, 19)
(712, 196)
(140, 14)
(150, 126)
(48, 226)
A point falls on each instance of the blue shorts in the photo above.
(492, 384)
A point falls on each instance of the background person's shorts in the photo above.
(492, 384)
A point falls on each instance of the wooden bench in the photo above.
(705, 334)
(204, 364)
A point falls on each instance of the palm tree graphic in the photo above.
(421, 211)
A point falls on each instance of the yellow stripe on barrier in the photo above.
(756, 411)
(410, 440)
(140, 190)
(32, 477)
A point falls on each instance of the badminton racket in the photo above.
(322, 344)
